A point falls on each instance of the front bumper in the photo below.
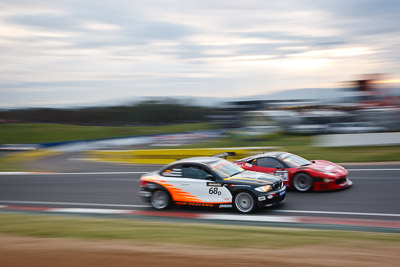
(271, 198)
(325, 184)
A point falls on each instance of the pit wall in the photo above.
(165, 156)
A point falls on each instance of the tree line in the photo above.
(143, 113)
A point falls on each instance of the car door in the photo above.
(192, 186)
(271, 165)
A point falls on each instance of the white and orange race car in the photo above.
(211, 182)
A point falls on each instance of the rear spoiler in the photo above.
(225, 155)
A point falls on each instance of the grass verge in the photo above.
(180, 233)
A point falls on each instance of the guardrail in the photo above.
(165, 156)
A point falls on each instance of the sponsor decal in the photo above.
(214, 184)
(248, 165)
(180, 203)
(261, 198)
(225, 206)
(214, 191)
(200, 204)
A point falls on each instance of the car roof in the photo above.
(202, 160)
(273, 154)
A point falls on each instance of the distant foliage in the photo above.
(144, 113)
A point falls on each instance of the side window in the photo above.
(268, 163)
(192, 171)
(173, 171)
(253, 161)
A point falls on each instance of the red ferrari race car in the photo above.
(297, 172)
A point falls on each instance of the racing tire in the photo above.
(302, 182)
(244, 202)
(160, 200)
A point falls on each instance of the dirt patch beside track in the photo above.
(31, 251)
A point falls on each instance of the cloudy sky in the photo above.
(74, 52)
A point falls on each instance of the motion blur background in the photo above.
(246, 68)
(84, 81)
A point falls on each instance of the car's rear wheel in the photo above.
(244, 202)
(302, 182)
(160, 199)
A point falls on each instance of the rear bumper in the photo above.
(145, 195)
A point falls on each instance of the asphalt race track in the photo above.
(82, 184)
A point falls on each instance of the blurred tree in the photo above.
(143, 113)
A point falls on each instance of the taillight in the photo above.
(143, 183)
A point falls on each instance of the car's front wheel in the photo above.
(302, 182)
(160, 199)
(244, 202)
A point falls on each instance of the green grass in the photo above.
(7, 165)
(24, 133)
(180, 233)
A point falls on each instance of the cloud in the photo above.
(162, 47)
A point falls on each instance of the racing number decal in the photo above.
(284, 175)
(214, 191)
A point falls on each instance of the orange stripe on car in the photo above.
(177, 194)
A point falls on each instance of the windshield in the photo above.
(294, 161)
(225, 168)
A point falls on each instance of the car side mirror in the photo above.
(209, 177)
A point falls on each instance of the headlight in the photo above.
(264, 188)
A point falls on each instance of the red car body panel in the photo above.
(326, 175)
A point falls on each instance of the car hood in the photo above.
(327, 166)
(252, 178)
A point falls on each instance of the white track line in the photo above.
(146, 206)
(72, 203)
(339, 213)
(89, 211)
(253, 218)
